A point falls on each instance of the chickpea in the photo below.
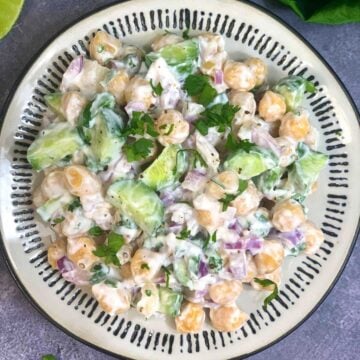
(125, 271)
(164, 40)
(239, 76)
(296, 126)
(287, 150)
(251, 270)
(80, 251)
(54, 184)
(139, 90)
(81, 181)
(56, 251)
(145, 264)
(270, 257)
(38, 197)
(247, 201)
(272, 106)
(172, 127)
(312, 138)
(149, 302)
(227, 317)
(313, 236)
(274, 276)
(225, 292)
(259, 68)
(191, 318)
(207, 212)
(104, 47)
(112, 300)
(117, 85)
(72, 104)
(227, 182)
(287, 215)
(246, 101)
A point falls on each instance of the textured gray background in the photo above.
(333, 332)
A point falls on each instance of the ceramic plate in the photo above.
(248, 31)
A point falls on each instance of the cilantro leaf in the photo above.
(185, 34)
(140, 124)
(145, 266)
(157, 89)
(310, 86)
(184, 234)
(266, 283)
(140, 149)
(199, 86)
(110, 282)
(57, 220)
(74, 204)
(114, 244)
(96, 231)
(167, 274)
(228, 198)
(219, 115)
(212, 238)
(233, 144)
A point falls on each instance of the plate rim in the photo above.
(3, 113)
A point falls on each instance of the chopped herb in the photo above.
(57, 220)
(145, 266)
(199, 86)
(184, 234)
(197, 159)
(170, 129)
(100, 49)
(110, 282)
(338, 133)
(215, 263)
(233, 144)
(219, 115)
(185, 34)
(114, 244)
(309, 86)
(266, 283)
(48, 357)
(228, 198)
(74, 204)
(140, 124)
(96, 231)
(167, 274)
(212, 238)
(148, 292)
(140, 149)
(99, 272)
(157, 89)
(218, 183)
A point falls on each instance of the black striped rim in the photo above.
(319, 111)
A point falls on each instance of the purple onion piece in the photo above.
(263, 139)
(218, 77)
(234, 225)
(77, 277)
(254, 244)
(65, 265)
(194, 180)
(238, 245)
(76, 66)
(134, 106)
(238, 265)
(203, 269)
(294, 237)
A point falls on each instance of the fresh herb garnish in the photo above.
(184, 234)
(169, 127)
(233, 144)
(110, 282)
(185, 34)
(96, 231)
(114, 244)
(145, 266)
(219, 115)
(309, 86)
(140, 124)
(57, 220)
(139, 149)
(199, 86)
(148, 292)
(197, 159)
(99, 272)
(212, 238)
(157, 89)
(48, 357)
(228, 198)
(167, 274)
(266, 283)
(215, 263)
(74, 204)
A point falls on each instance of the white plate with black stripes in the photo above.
(249, 31)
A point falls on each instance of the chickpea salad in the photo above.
(175, 177)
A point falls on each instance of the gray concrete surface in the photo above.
(333, 332)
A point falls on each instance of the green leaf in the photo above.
(157, 89)
(266, 283)
(145, 266)
(233, 144)
(57, 220)
(199, 86)
(96, 231)
(140, 149)
(184, 234)
(140, 124)
(326, 11)
(99, 272)
(48, 357)
(74, 204)
(228, 198)
(167, 272)
(114, 244)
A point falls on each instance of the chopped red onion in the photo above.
(73, 70)
(263, 139)
(239, 245)
(234, 225)
(134, 106)
(65, 264)
(194, 180)
(254, 244)
(238, 264)
(218, 77)
(77, 277)
(203, 269)
(294, 237)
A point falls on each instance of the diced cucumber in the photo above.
(166, 169)
(54, 102)
(170, 301)
(139, 202)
